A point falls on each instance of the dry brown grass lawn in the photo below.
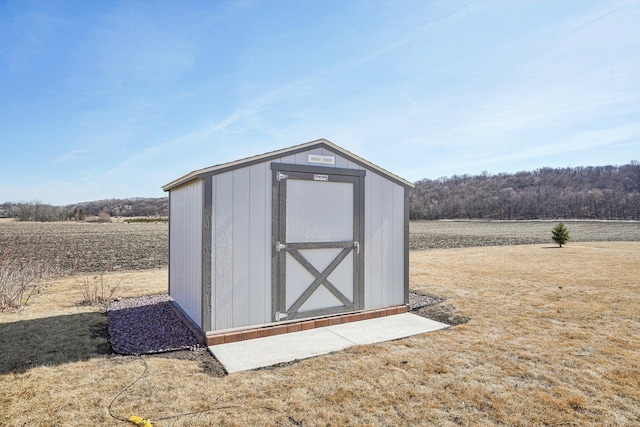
(554, 339)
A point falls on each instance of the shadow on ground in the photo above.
(52, 341)
(58, 340)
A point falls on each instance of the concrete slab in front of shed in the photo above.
(386, 328)
(261, 352)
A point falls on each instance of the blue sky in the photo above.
(109, 99)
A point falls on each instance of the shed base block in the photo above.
(285, 327)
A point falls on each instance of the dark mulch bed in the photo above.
(147, 325)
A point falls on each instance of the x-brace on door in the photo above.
(318, 247)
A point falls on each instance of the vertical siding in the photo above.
(341, 162)
(240, 243)
(373, 262)
(222, 251)
(241, 247)
(384, 242)
(397, 245)
(260, 244)
(386, 227)
(185, 250)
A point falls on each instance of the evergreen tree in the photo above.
(560, 234)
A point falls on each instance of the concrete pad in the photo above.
(386, 328)
(261, 352)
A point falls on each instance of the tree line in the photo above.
(584, 192)
(38, 211)
(590, 192)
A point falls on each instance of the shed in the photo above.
(298, 237)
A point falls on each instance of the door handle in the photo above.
(357, 246)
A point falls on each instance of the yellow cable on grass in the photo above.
(140, 421)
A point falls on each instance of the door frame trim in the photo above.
(278, 198)
(317, 169)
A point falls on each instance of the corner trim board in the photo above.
(169, 244)
(406, 245)
(207, 206)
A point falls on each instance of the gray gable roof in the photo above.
(320, 143)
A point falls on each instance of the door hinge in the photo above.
(280, 176)
(280, 246)
(280, 316)
(357, 246)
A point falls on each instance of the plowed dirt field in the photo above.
(95, 247)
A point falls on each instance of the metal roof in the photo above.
(320, 143)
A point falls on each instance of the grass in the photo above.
(553, 340)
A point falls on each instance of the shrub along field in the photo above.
(553, 338)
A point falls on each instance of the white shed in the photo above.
(297, 238)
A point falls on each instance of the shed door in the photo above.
(318, 241)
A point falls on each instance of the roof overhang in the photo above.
(320, 143)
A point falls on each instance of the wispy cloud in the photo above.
(72, 155)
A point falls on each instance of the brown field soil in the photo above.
(89, 247)
(552, 339)
(466, 234)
